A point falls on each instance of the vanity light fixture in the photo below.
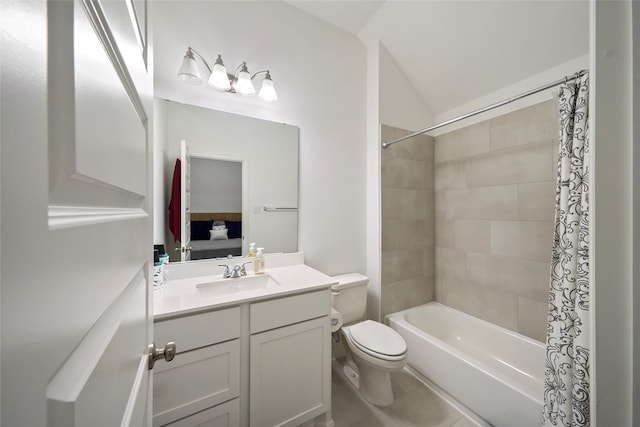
(240, 82)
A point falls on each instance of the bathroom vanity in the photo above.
(251, 351)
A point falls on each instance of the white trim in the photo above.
(75, 216)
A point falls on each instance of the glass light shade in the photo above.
(219, 79)
(189, 71)
(267, 91)
(244, 85)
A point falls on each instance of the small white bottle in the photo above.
(252, 250)
(258, 263)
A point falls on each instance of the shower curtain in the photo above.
(568, 360)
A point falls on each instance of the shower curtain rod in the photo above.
(581, 73)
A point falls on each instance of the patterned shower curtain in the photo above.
(568, 360)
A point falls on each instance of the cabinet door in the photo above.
(224, 415)
(196, 380)
(290, 374)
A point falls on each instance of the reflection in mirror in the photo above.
(216, 208)
(268, 155)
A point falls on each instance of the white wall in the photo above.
(532, 82)
(160, 203)
(216, 185)
(374, 193)
(391, 99)
(635, 318)
(612, 259)
(400, 104)
(311, 63)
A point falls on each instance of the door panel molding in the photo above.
(99, 129)
(70, 391)
(75, 216)
(100, 25)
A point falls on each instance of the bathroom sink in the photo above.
(236, 286)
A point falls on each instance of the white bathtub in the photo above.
(496, 373)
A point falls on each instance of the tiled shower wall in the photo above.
(494, 209)
(407, 221)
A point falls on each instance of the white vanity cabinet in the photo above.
(258, 359)
(290, 360)
(202, 384)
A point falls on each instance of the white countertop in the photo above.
(181, 296)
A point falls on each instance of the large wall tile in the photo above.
(390, 232)
(415, 234)
(444, 234)
(408, 232)
(536, 201)
(405, 204)
(499, 202)
(528, 125)
(492, 306)
(463, 143)
(450, 263)
(406, 294)
(517, 276)
(464, 235)
(440, 288)
(495, 202)
(532, 318)
(417, 148)
(429, 261)
(387, 267)
(450, 175)
(530, 163)
(471, 235)
(407, 174)
(555, 156)
(530, 240)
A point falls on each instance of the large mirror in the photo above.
(243, 177)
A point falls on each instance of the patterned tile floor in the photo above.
(415, 405)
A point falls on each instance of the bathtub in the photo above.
(496, 373)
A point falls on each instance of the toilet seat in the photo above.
(377, 340)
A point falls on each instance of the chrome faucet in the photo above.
(227, 272)
(237, 271)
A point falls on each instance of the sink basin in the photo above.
(236, 286)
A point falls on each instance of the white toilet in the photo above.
(376, 349)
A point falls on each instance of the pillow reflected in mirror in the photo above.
(219, 234)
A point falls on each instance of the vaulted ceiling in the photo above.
(456, 51)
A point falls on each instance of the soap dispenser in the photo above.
(258, 263)
(252, 250)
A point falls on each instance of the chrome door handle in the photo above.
(168, 352)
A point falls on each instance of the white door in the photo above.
(76, 219)
(185, 202)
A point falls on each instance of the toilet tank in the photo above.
(349, 296)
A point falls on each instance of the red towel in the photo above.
(174, 203)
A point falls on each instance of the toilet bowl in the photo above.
(377, 350)
(374, 350)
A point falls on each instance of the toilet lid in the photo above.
(378, 338)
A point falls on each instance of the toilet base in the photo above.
(351, 374)
(373, 384)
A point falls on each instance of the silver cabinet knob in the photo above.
(168, 352)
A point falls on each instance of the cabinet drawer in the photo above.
(224, 415)
(285, 311)
(195, 380)
(198, 330)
